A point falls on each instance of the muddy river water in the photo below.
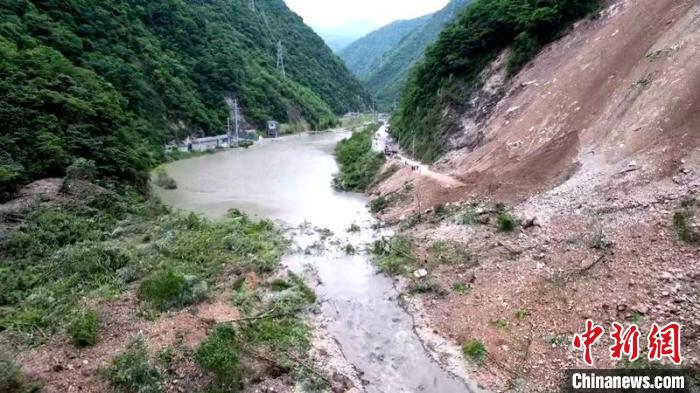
(289, 180)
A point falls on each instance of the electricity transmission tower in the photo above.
(280, 59)
(235, 122)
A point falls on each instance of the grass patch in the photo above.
(393, 255)
(83, 328)
(636, 317)
(442, 253)
(556, 341)
(506, 221)
(683, 221)
(177, 155)
(168, 289)
(500, 324)
(475, 351)
(358, 163)
(426, 286)
(460, 287)
(131, 371)
(522, 314)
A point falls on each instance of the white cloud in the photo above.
(360, 14)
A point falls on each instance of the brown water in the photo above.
(289, 180)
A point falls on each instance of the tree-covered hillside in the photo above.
(451, 66)
(112, 81)
(368, 52)
(387, 78)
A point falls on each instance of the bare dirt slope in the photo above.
(622, 88)
(595, 146)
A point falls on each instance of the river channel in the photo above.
(289, 180)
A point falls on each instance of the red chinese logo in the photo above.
(586, 340)
(665, 343)
(626, 342)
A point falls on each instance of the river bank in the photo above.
(360, 307)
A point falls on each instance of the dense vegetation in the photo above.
(465, 48)
(389, 75)
(103, 244)
(358, 163)
(368, 52)
(111, 81)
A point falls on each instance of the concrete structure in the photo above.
(272, 129)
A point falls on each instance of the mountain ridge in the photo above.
(390, 72)
(113, 81)
(364, 53)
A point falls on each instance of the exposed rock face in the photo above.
(465, 123)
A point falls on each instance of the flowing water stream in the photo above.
(289, 180)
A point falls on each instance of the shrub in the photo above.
(393, 255)
(245, 144)
(131, 371)
(280, 284)
(378, 204)
(459, 287)
(506, 222)
(168, 289)
(426, 286)
(354, 228)
(350, 249)
(475, 350)
(163, 180)
(441, 210)
(12, 379)
(220, 356)
(81, 169)
(83, 329)
(682, 221)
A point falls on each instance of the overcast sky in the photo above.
(359, 17)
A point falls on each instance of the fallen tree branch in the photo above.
(265, 315)
(597, 261)
(292, 358)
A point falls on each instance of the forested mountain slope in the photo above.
(386, 80)
(369, 51)
(112, 80)
(451, 74)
